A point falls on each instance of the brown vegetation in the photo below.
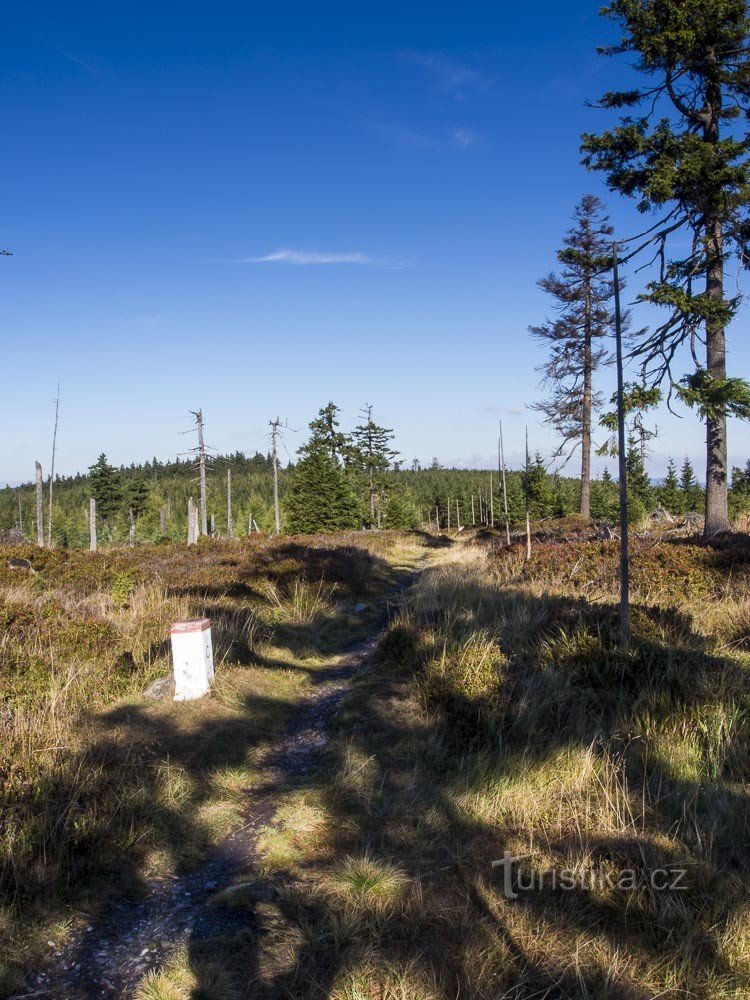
(101, 790)
(501, 717)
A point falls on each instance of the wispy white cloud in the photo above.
(402, 135)
(86, 66)
(286, 255)
(455, 138)
(465, 138)
(450, 76)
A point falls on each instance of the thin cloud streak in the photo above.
(451, 77)
(87, 67)
(465, 138)
(304, 258)
(459, 138)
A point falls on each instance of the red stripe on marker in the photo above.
(194, 625)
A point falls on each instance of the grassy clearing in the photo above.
(101, 790)
(500, 716)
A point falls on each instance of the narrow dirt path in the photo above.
(113, 954)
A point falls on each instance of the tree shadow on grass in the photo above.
(452, 932)
(139, 799)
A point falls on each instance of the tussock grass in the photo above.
(368, 880)
(188, 979)
(372, 979)
(100, 789)
(500, 716)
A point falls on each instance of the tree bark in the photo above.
(230, 520)
(202, 461)
(586, 415)
(92, 525)
(717, 500)
(52, 468)
(275, 424)
(192, 526)
(39, 508)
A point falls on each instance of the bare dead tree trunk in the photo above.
(162, 521)
(505, 488)
(39, 507)
(52, 467)
(230, 521)
(458, 516)
(192, 533)
(492, 503)
(92, 525)
(528, 516)
(131, 528)
(275, 424)
(473, 517)
(622, 467)
(448, 512)
(437, 519)
(202, 468)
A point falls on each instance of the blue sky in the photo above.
(256, 208)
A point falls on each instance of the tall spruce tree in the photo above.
(583, 294)
(106, 488)
(372, 454)
(326, 433)
(640, 493)
(540, 489)
(684, 155)
(669, 492)
(605, 501)
(691, 492)
(322, 496)
(135, 496)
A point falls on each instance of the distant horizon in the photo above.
(567, 472)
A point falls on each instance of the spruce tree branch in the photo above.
(697, 117)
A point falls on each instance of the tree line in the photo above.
(340, 480)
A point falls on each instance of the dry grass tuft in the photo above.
(187, 979)
(369, 881)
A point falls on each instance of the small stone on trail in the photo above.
(161, 689)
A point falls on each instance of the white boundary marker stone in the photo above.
(192, 658)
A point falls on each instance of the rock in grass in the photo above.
(161, 689)
(21, 564)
